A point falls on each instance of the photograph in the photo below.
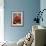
(17, 18)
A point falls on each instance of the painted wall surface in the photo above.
(1, 20)
(30, 7)
(43, 6)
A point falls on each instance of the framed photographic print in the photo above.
(17, 18)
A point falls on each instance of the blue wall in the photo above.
(43, 6)
(30, 7)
